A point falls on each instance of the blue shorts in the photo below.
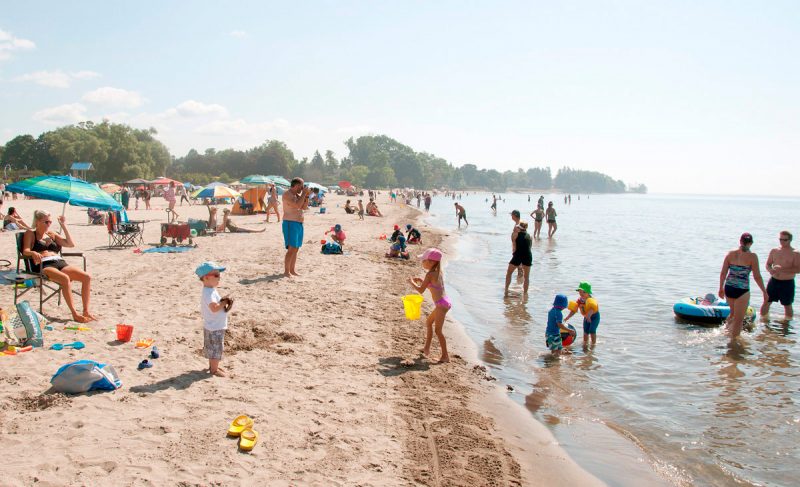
(590, 327)
(554, 342)
(292, 234)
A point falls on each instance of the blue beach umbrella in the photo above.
(279, 180)
(66, 189)
(257, 179)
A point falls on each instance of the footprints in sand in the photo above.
(250, 335)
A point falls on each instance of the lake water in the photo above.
(661, 396)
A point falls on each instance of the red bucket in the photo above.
(124, 332)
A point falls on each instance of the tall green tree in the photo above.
(19, 152)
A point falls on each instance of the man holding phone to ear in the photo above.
(295, 200)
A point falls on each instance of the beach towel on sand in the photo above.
(84, 376)
(166, 250)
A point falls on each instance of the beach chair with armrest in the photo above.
(25, 272)
(122, 233)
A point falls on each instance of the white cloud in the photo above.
(114, 97)
(192, 108)
(85, 74)
(56, 79)
(62, 114)
(238, 34)
(9, 43)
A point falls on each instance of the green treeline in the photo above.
(119, 152)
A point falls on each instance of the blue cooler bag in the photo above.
(84, 376)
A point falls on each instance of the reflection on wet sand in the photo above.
(517, 314)
(491, 354)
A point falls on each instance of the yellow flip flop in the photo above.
(240, 424)
(248, 439)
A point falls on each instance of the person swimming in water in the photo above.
(734, 283)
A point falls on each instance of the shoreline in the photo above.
(314, 360)
(529, 441)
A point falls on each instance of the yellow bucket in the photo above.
(413, 306)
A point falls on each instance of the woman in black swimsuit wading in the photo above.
(734, 282)
(44, 247)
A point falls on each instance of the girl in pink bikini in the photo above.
(431, 262)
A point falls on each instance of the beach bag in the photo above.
(24, 327)
(84, 376)
(31, 323)
(331, 248)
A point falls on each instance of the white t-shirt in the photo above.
(212, 321)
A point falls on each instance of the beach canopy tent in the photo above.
(79, 169)
(345, 184)
(162, 181)
(136, 182)
(253, 196)
(66, 189)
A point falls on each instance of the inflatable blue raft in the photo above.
(702, 310)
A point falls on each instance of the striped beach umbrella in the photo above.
(219, 191)
(66, 189)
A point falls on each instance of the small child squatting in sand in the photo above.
(215, 315)
(337, 234)
(432, 262)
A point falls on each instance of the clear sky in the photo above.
(684, 96)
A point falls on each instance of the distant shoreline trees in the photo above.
(120, 152)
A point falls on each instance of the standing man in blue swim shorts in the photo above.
(295, 200)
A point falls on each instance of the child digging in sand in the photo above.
(432, 262)
(215, 315)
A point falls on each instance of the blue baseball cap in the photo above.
(561, 301)
(207, 267)
(408, 226)
(337, 228)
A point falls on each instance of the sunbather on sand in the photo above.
(227, 224)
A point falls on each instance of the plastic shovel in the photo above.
(62, 346)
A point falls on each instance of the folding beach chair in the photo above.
(47, 289)
(122, 233)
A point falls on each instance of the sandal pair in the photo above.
(242, 427)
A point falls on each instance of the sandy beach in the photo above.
(314, 360)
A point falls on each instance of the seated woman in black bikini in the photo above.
(43, 246)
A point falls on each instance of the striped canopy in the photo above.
(65, 189)
(219, 191)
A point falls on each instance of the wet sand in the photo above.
(314, 360)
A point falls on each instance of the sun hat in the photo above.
(432, 254)
(207, 267)
(561, 301)
(585, 287)
(397, 227)
(746, 238)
